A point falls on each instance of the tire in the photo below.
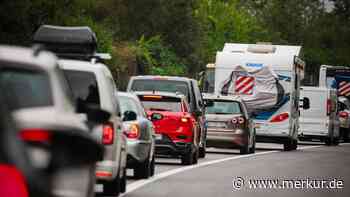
(143, 170)
(328, 141)
(252, 149)
(153, 166)
(187, 159)
(335, 142)
(112, 188)
(288, 145)
(346, 135)
(202, 151)
(196, 156)
(294, 144)
(123, 182)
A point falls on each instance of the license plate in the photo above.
(158, 136)
(217, 124)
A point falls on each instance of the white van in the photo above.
(321, 121)
(267, 77)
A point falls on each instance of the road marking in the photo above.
(138, 184)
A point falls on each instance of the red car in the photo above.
(176, 129)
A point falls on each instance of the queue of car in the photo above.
(65, 122)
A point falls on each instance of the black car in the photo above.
(186, 86)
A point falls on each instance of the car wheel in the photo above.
(328, 141)
(346, 133)
(252, 149)
(335, 142)
(244, 149)
(294, 144)
(196, 156)
(112, 188)
(288, 145)
(143, 170)
(202, 151)
(187, 159)
(123, 182)
(153, 166)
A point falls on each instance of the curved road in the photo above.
(312, 170)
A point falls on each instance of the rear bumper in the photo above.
(225, 138)
(167, 148)
(138, 152)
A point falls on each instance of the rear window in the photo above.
(128, 104)
(224, 107)
(26, 89)
(84, 86)
(162, 85)
(159, 103)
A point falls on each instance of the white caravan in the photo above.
(267, 77)
(321, 121)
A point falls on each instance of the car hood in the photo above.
(49, 118)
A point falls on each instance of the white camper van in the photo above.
(321, 121)
(267, 77)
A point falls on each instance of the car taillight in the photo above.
(344, 114)
(184, 119)
(35, 135)
(108, 134)
(280, 117)
(12, 182)
(329, 105)
(133, 132)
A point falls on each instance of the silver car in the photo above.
(228, 123)
(140, 133)
(42, 107)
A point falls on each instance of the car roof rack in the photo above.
(70, 42)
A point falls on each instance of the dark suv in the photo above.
(186, 86)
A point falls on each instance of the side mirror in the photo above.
(305, 103)
(156, 116)
(129, 116)
(208, 103)
(94, 113)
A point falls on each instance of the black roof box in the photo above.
(67, 40)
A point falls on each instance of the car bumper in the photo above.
(226, 138)
(138, 151)
(166, 147)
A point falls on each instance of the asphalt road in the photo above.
(273, 172)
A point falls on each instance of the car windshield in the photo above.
(84, 86)
(161, 103)
(162, 85)
(26, 89)
(127, 104)
(224, 107)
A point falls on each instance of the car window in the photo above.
(224, 107)
(161, 85)
(128, 104)
(26, 88)
(197, 93)
(161, 104)
(84, 86)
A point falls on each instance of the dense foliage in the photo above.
(180, 37)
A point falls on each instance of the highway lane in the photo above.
(168, 165)
(309, 164)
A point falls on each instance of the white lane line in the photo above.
(138, 184)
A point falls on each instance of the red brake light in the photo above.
(12, 182)
(133, 132)
(344, 114)
(184, 119)
(329, 105)
(35, 135)
(234, 121)
(280, 117)
(241, 120)
(108, 134)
